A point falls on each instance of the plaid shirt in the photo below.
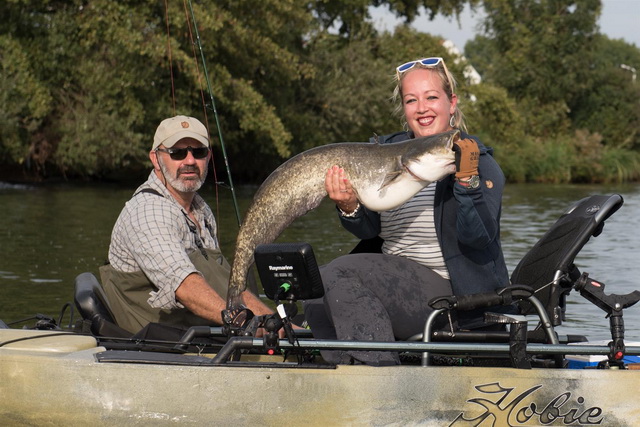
(154, 234)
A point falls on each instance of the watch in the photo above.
(472, 184)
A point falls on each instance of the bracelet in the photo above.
(352, 214)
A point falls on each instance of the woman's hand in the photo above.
(467, 158)
(339, 189)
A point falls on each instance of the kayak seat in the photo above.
(539, 283)
(92, 304)
(549, 266)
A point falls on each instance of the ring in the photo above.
(343, 191)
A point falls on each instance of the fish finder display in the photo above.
(288, 271)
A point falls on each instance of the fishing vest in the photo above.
(128, 293)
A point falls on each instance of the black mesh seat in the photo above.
(92, 305)
(539, 283)
(549, 267)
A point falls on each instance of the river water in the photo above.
(50, 234)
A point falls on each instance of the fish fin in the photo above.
(394, 174)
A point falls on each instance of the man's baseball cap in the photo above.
(176, 128)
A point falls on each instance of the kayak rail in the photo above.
(245, 343)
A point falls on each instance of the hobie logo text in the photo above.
(503, 407)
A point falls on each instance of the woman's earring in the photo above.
(452, 121)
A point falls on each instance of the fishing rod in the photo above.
(215, 114)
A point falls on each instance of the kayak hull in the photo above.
(65, 382)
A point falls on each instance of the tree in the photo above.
(352, 16)
(580, 109)
(543, 55)
(610, 106)
(24, 105)
(83, 85)
(106, 65)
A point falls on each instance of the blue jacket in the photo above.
(467, 224)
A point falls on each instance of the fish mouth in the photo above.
(451, 165)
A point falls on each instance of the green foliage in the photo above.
(83, 85)
(611, 104)
(546, 120)
(350, 17)
(580, 109)
(348, 100)
(81, 55)
(544, 46)
(255, 54)
(620, 165)
(547, 160)
(405, 44)
(494, 117)
(579, 158)
(541, 54)
(24, 104)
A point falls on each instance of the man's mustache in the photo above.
(188, 169)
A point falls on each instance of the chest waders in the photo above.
(128, 293)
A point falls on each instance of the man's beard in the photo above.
(190, 185)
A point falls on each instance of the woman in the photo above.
(445, 240)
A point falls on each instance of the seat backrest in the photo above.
(92, 304)
(549, 266)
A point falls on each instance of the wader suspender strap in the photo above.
(192, 226)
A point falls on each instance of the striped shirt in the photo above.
(153, 234)
(409, 231)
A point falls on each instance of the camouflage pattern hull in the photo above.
(53, 379)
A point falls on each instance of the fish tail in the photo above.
(234, 300)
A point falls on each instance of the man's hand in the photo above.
(467, 157)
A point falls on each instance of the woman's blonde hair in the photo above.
(448, 84)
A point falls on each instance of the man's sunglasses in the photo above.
(427, 62)
(181, 153)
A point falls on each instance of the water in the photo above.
(49, 235)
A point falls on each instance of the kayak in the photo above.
(55, 378)
(515, 376)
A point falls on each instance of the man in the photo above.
(165, 263)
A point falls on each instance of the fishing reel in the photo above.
(236, 320)
(276, 321)
(242, 322)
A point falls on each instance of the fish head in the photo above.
(431, 158)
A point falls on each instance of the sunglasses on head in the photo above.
(181, 153)
(427, 62)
